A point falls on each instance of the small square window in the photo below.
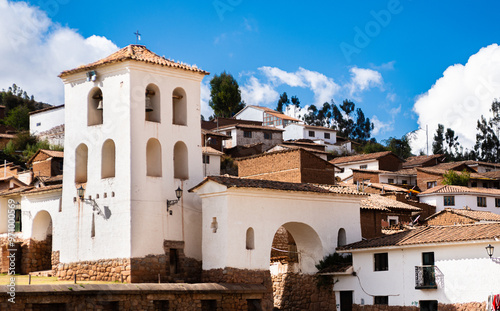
(404, 182)
(38, 123)
(213, 141)
(228, 133)
(390, 181)
(381, 300)
(449, 201)
(481, 201)
(311, 134)
(428, 305)
(473, 184)
(206, 159)
(268, 136)
(381, 261)
(497, 202)
(327, 135)
(247, 134)
(363, 167)
(431, 184)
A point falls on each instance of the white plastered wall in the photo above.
(265, 211)
(461, 201)
(464, 274)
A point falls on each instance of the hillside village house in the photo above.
(385, 160)
(247, 134)
(424, 267)
(455, 216)
(267, 116)
(460, 197)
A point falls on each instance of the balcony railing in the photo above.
(425, 277)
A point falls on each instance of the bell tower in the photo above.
(132, 137)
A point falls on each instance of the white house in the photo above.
(318, 134)
(422, 267)
(267, 116)
(48, 124)
(443, 196)
(211, 161)
(385, 160)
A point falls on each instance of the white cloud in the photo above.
(206, 110)
(34, 50)
(460, 97)
(380, 127)
(384, 66)
(278, 76)
(256, 93)
(323, 87)
(363, 79)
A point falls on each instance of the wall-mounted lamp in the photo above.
(178, 194)
(489, 250)
(95, 207)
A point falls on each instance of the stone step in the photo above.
(42, 273)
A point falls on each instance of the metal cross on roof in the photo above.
(137, 36)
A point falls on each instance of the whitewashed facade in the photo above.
(463, 273)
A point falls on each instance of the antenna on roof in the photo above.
(137, 36)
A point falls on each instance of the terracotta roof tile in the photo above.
(211, 133)
(319, 128)
(251, 127)
(493, 174)
(419, 160)
(210, 150)
(460, 189)
(300, 147)
(472, 214)
(361, 157)
(136, 53)
(46, 109)
(378, 202)
(234, 182)
(431, 234)
(440, 171)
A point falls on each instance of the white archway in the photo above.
(309, 248)
(42, 226)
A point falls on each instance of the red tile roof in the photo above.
(210, 150)
(419, 160)
(234, 182)
(430, 234)
(290, 147)
(440, 171)
(444, 189)
(251, 127)
(379, 202)
(136, 53)
(363, 157)
(474, 215)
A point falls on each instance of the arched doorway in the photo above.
(299, 244)
(39, 248)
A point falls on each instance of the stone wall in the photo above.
(294, 291)
(149, 297)
(471, 306)
(243, 276)
(36, 255)
(173, 266)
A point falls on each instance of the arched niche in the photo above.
(179, 107)
(108, 159)
(153, 158)
(81, 163)
(152, 103)
(95, 107)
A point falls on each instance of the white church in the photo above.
(134, 205)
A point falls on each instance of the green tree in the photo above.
(19, 118)
(371, 146)
(452, 177)
(438, 143)
(225, 95)
(282, 102)
(487, 147)
(399, 146)
(319, 117)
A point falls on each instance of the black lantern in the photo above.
(81, 192)
(489, 249)
(178, 194)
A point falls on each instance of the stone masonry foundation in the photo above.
(245, 277)
(295, 291)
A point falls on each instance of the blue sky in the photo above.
(386, 56)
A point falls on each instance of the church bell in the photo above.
(149, 105)
(99, 106)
